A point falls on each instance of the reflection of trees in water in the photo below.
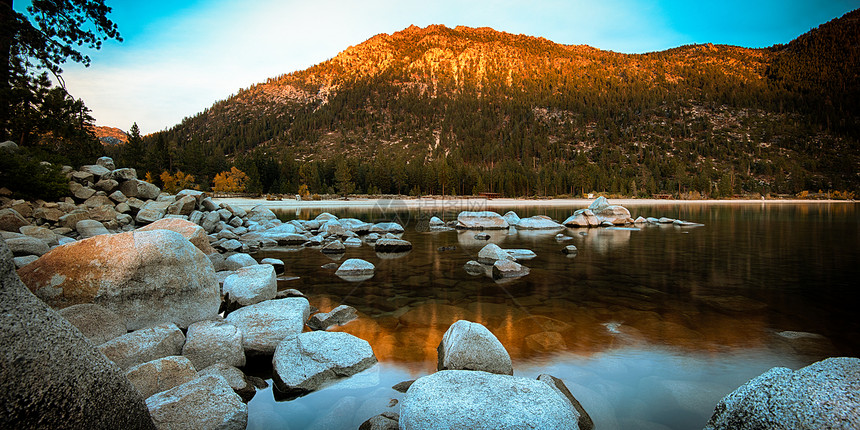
(749, 272)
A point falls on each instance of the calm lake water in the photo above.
(649, 329)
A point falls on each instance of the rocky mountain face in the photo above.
(780, 119)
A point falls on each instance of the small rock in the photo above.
(384, 421)
(333, 247)
(482, 236)
(508, 269)
(470, 346)
(355, 269)
(337, 316)
(490, 253)
(276, 263)
(473, 267)
(238, 261)
(570, 250)
(26, 245)
(392, 245)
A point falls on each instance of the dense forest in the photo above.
(463, 110)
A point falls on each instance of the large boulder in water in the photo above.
(822, 395)
(50, 375)
(467, 399)
(470, 346)
(481, 221)
(305, 361)
(146, 277)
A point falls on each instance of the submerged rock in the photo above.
(303, 362)
(466, 399)
(508, 269)
(471, 346)
(821, 395)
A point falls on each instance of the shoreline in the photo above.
(484, 203)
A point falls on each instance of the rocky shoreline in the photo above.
(155, 303)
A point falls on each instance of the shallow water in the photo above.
(649, 329)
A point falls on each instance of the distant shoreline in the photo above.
(482, 203)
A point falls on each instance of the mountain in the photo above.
(462, 110)
(110, 136)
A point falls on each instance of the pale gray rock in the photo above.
(490, 253)
(585, 422)
(80, 177)
(303, 362)
(26, 245)
(384, 421)
(386, 227)
(476, 400)
(570, 250)
(261, 214)
(471, 346)
(392, 245)
(82, 192)
(276, 263)
(599, 204)
(582, 218)
(123, 174)
(208, 204)
(512, 218)
(161, 374)
(333, 247)
(182, 206)
(210, 221)
(98, 323)
(473, 267)
(508, 269)
(224, 214)
(822, 395)
(106, 185)
(251, 284)
(89, 228)
(265, 324)
(355, 269)
(106, 162)
(235, 210)
(151, 211)
(207, 402)
(238, 261)
(337, 316)
(521, 254)
(144, 345)
(481, 220)
(640, 220)
(333, 227)
(538, 222)
(355, 225)
(230, 245)
(214, 341)
(50, 375)
(24, 260)
(323, 217)
(352, 242)
(234, 377)
(140, 189)
(96, 170)
(9, 146)
(70, 220)
(41, 233)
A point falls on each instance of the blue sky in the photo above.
(179, 57)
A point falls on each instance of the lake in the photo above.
(649, 329)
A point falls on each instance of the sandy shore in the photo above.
(482, 203)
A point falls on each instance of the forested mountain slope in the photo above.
(462, 110)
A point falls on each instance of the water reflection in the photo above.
(651, 326)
